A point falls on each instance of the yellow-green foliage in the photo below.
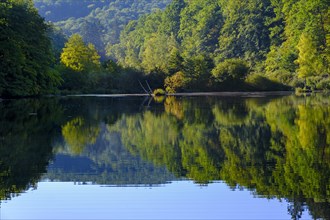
(175, 83)
(174, 107)
(159, 92)
(77, 135)
(309, 59)
(157, 52)
(78, 56)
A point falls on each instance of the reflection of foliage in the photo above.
(161, 139)
(245, 159)
(90, 153)
(304, 169)
(25, 146)
(78, 134)
(174, 107)
(275, 147)
(278, 148)
(201, 154)
(107, 162)
(154, 138)
(230, 113)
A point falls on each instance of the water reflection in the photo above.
(26, 134)
(276, 147)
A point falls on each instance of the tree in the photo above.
(91, 31)
(175, 62)
(201, 22)
(157, 52)
(58, 40)
(304, 50)
(310, 63)
(78, 56)
(231, 70)
(26, 57)
(197, 71)
(175, 83)
(171, 18)
(245, 34)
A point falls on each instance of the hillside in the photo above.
(225, 44)
(98, 22)
(176, 45)
(59, 10)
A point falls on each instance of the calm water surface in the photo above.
(174, 158)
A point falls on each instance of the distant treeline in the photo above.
(98, 21)
(195, 45)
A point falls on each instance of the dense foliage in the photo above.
(78, 56)
(284, 42)
(26, 57)
(189, 46)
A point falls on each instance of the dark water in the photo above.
(179, 157)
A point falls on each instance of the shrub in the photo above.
(284, 76)
(261, 83)
(159, 92)
(175, 83)
(197, 72)
(231, 70)
(324, 84)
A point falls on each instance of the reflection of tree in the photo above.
(153, 137)
(89, 152)
(27, 131)
(106, 161)
(201, 153)
(304, 168)
(88, 114)
(230, 113)
(174, 107)
(78, 134)
(298, 151)
(277, 148)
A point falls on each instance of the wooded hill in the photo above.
(208, 44)
(213, 45)
(97, 21)
(191, 45)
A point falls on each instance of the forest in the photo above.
(50, 47)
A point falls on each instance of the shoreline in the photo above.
(187, 94)
(255, 94)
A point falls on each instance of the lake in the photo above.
(248, 156)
